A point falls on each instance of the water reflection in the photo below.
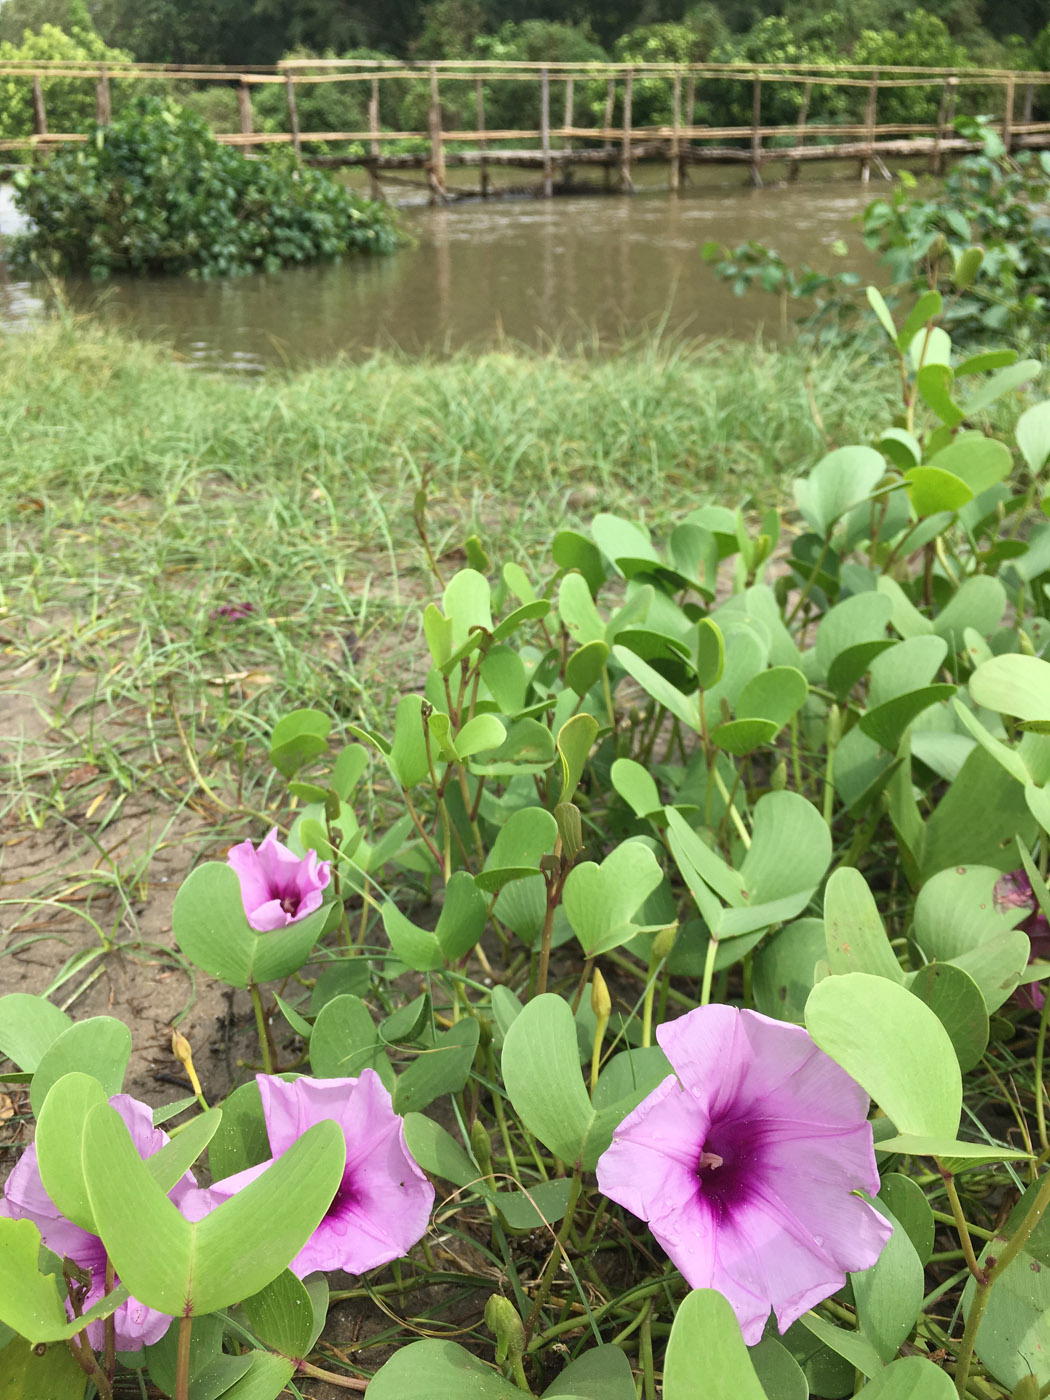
(566, 270)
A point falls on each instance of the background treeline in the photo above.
(943, 33)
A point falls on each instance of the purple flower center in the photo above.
(290, 903)
(727, 1163)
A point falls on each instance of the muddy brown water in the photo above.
(585, 268)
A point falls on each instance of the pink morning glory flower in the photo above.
(382, 1207)
(745, 1163)
(1014, 891)
(277, 887)
(25, 1199)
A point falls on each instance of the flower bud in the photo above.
(481, 1147)
(601, 1002)
(779, 777)
(502, 1320)
(664, 942)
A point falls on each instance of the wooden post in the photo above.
(869, 123)
(947, 93)
(690, 121)
(244, 105)
(39, 110)
(545, 131)
(800, 128)
(436, 173)
(103, 102)
(610, 104)
(1029, 99)
(373, 145)
(674, 174)
(570, 99)
(1008, 115)
(756, 122)
(626, 183)
(483, 166)
(293, 117)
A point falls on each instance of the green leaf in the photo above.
(438, 1152)
(887, 722)
(856, 938)
(265, 1378)
(978, 461)
(934, 383)
(1005, 382)
(467, 602)
(861, 619)
(1013, 1338)
(889, 1294)
(233, 1252)
(783, 969)
(978, 820)
(705, 1326)
(601, 1373)
(544, 1203)
(932, 489)
(541, 1071)
(29, 1025)
(418, 948)
(25, 1375)
(952, 1151)
(297, 738)
(584, 667)
(1033, 435)
(433, 1370)
(878, 304)
(408, 753)
(683, 707)
(30, 1302)
(527, 836)
(59, 1140)
(600, 901)
(710, 653)
(240, 1140)
(956, 999)
(462, 919)
(1013, 684)
(838, 482)
(528, 612)
(979, 604)
(927, 308)
(576, 607)
(442, 1068)
(910, 1378)
(636, 786)
(780, 1375)
(857, 1350)
(910, 1208)
(574, 742)
(894, 1047)
(777, 694)
(100, 1047)
(281, 1315)
(479, 734)
(743, 736)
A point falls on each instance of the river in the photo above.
(595, 268)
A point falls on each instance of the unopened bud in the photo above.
(1024, 643)
(664, 942)
(481, 1147)
(778, 780)
(180, 1048)
(601, 1002)
(834, 726)
(502, 1320)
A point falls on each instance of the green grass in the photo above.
(141, 496)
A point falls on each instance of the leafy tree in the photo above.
(513, 103)
(70, 102)
(693, 42)
(924, 41)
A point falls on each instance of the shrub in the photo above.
(70, 102)
(155, 192)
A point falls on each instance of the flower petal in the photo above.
(255, 890)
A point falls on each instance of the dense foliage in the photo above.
(70, 101)
(653, 845)
(155, 192)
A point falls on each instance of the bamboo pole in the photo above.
(869, 128)
(610, 104)
(570, 98)
(947, 97)
(39, 109)
(1008, 115)
(1029, 99)
(373, 144)
(800, 129)
(626, 183)
(756, 123)
(244, 107)
(674, 174)
(690, 119)
(436, 173)
(103, 101)
(483, 167)
(545, 132)
(293, 117)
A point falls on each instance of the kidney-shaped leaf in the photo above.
(894, 1046)
(600, 900)
(541, 1070)
(433, 1370)
(705, 1339)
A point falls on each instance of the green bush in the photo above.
(70, 102)
(155, 192)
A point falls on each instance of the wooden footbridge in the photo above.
(588, 116)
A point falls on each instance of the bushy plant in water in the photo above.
(155, 192)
